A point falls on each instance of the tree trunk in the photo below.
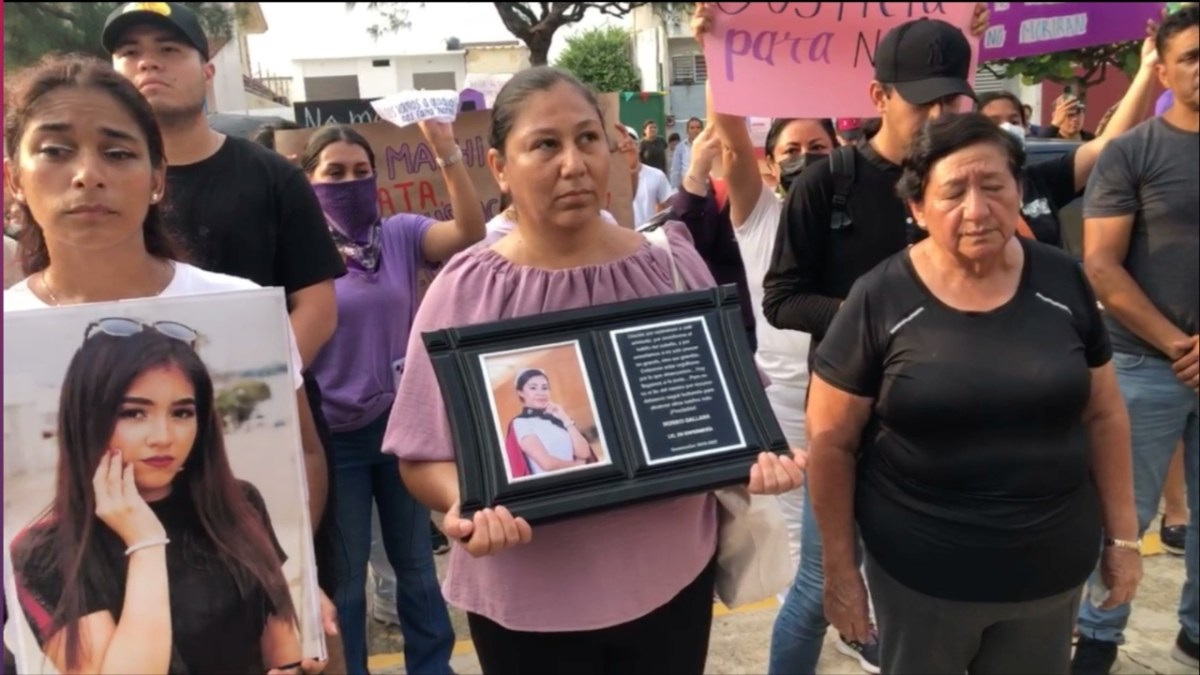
(539, 47)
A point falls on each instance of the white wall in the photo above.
(645, 57)
(383, 80)
(228, 90)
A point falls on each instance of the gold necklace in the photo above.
(49, 291)
(54, 298)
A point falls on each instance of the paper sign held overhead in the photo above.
(1017, 29)
(807, 59)
(409, 107)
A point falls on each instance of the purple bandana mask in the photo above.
(352, 212)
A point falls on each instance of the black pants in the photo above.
(326, 538)
(671, 639)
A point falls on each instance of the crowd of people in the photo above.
(982, 427)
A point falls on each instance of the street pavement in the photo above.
(741, 638)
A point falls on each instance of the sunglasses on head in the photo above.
(121, 327)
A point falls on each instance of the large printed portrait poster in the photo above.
(155, 502)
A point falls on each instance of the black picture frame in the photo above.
(611, 341)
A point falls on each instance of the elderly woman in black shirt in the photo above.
(964, 411)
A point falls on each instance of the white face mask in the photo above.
(1018, 132)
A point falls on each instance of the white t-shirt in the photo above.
(782, 354)
(188, 280)
(502, 224)
(653, 189)
(554, 438)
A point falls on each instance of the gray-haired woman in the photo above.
(964, 411)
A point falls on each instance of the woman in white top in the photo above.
(547, 435)
(87, 171)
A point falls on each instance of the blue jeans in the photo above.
(364, 475)
(385, 577)
(1161, 411)
(800, 625)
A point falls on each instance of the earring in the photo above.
(154, 199)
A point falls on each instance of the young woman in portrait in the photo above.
(151, 552)
(547, 436)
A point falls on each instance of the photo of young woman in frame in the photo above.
(544, 410)
(153, 556)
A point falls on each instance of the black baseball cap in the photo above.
(170, 15)
(925, 60)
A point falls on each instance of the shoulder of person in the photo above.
(654, 173)
(1051, 262)
(252, 495)
(20, 297)
(196, 280)
(407, 221)
(34, 558)
(276, 166)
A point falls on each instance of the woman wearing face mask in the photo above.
(358, 370)
(545, 433)
(624, 591)
(755, 209)
(86, 169)
(151, 549)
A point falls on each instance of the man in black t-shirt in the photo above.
(239, 208)
(1048, 187)
(921, 70)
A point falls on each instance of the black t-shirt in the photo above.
(974, 479)
(246, 211)
(653, 152)
(814, 266)
(1047, 188)
(215, 628)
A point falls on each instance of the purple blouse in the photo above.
(585, 573)
(357, 367)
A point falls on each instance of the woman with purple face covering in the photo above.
(359, 368)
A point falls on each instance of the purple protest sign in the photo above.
(1019, 29)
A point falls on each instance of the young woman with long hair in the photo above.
(86, 168)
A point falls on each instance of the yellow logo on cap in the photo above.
(156, 7)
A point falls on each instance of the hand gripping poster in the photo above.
(156, 515)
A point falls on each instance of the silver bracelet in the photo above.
(146, 544)
(454, 158)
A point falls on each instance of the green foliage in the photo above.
(33, 29)
(393, 16)
(238, 403)
(600, 58)
(1081, 68)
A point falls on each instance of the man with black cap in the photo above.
(842, 218)
(238, 208)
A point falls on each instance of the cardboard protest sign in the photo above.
(806, 59)
(130, 423)
(410, 180)
(1017, 29)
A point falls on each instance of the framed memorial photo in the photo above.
(578, 411)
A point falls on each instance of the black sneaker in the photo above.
(1173, 537)
(1094, 657)
(440, 543)
(1186, 651)
(867, 655)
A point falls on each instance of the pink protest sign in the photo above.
(807, 59)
